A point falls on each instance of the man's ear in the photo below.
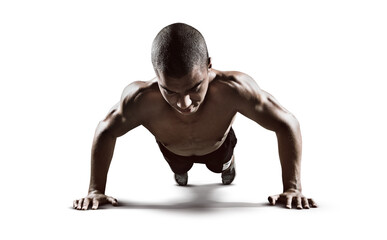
(209, 63)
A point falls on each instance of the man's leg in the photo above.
(228, 171)
(181, 179)
(222, 160)
(178, 165)
(180, 168)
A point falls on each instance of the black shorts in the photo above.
(214, 161)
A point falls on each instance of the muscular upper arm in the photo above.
(125, 115)
(260, 106)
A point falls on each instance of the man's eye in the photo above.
(196, 89)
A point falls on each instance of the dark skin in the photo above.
(190, 115)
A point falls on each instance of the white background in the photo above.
(63, 65)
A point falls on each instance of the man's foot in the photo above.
(181, 179)
(228, 175)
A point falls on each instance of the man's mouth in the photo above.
(189, 109)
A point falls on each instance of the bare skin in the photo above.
(179, 111)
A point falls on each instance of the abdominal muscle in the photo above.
(192, 147)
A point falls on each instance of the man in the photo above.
(189, 107)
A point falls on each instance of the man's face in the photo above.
(185, 94)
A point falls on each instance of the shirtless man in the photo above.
(189, 107)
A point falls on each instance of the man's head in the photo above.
(180, 60)
(177, 48)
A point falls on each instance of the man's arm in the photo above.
(122, 118)
(264, 109)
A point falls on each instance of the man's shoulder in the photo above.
(142, 98)
(140, 90)
(234, 82)
(239, 90)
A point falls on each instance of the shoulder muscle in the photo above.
(255, 103)
(127, 114)
(241, 86)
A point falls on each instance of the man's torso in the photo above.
(199, 134)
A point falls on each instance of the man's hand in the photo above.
(96, 199)
(292, 196)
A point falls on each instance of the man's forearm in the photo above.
(290, 151)
(101, 156)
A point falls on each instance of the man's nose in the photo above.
(184, 102)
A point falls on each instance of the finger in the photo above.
(312, 203)
(86, 203)
(113, 201)
(305, 203)
(75, 203)
(95, 204)
(299, 205)
(80, 202)
(273, 199)
(289, 202)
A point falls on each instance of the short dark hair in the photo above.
(177, 48)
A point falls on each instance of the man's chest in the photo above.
(198, 137)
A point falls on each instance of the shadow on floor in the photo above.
(200, 200)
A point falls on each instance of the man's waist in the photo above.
(193, 150)
(199, 156)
